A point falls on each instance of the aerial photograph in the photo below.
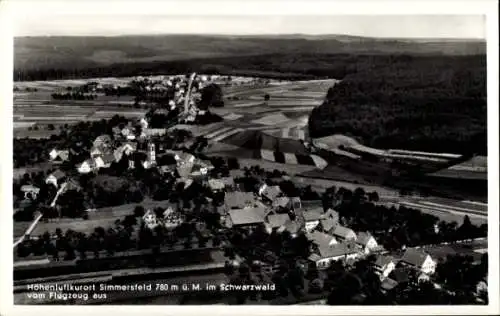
(250, 160)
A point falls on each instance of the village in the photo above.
(243, 211)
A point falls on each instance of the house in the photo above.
(321, 238)
(343, 233)
(102, 141)
(149, 132)
(104, 161)
(294, 227)
(171, 218)
(312, 218)
(239, 200)
(87, 166)
(126, 149)
(71, 184)
(281, 202)
(269, 193)
(56, 178)
(150, 219)
(128, 131)
(367, 242)
(384, 265)
(418, 259)
(58, 155)
(324, 254)
(400, 275)
(228, 183)
(249, 217)
(276, 221)
(216, 185)
(30, 191)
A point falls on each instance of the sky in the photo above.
(406, 26)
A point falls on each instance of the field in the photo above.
(34, 110)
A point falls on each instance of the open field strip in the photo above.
(248, 104)
(453, 208)
(227, 134)
(442, 208)
(217, 132)
(23, 124)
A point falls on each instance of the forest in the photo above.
(435, 104)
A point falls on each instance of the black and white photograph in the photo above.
(166, 158)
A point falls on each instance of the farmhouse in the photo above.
(367, 242)
(249, 217)
(420, 260)
(323, 254)
(55, 178)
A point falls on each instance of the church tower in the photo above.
(151, 153)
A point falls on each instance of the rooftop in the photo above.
(239, 199)
(414, 257)
(247, 216)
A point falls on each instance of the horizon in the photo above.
(265, 35)
(368, 26)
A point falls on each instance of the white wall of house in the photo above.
(84, 168)
(429, 265)
(311, 225)
(51, 179)
(324, 263)
(370, 245)
(387, 269)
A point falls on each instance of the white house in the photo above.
(87, 166)
(150, 219)
(420, 260)
(384, 265)
(30, 191)
(104, 161)
(324, 255)
(55, 178)
(366, 241)
(171, 218)
(59, 155)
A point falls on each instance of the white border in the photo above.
(42, 9)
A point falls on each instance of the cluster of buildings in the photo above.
(169, 219)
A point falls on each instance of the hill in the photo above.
(68, 54)
(426, 103)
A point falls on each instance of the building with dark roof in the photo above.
(420, 260)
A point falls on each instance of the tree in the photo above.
(138, 211)
(266, 97)
(211, 96)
